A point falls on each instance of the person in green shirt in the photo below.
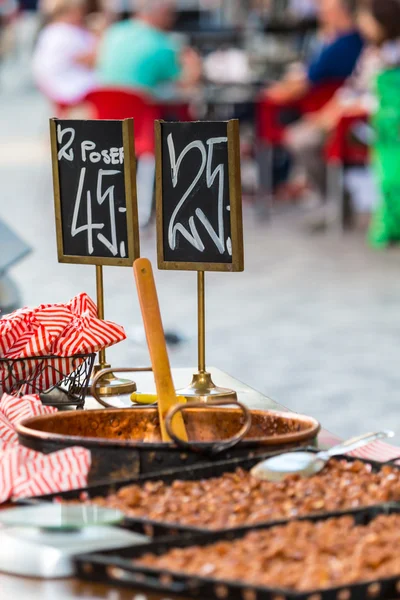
(139, 52)
(380, 24)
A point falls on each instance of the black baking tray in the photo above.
(156, 529)
(115, 567)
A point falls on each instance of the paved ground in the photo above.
(313, 321)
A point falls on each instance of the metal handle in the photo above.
(211, 448)
(101, 374)
(357, 442)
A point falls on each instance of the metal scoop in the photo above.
(305, 463)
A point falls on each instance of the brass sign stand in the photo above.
(202, 386)
(109, 385)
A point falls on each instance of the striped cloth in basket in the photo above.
(52, 329)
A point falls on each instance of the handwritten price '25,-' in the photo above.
(114, 156)
(192, 235)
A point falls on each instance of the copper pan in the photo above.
(117, 437)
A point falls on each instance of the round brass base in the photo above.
(109, 385)
(203, 389)
(116, 387)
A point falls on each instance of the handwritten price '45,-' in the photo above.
(175, 227)
(90, 227)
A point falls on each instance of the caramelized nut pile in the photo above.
(237, 499)
(300, 556)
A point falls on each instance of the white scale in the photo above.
(41, 540)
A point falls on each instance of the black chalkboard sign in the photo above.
(199, 202)
(94, 175)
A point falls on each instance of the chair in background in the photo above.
(270, 132)
(61, 110)
(175, 111)
(115, 103)
(344, 151)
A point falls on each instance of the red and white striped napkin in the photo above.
(24, 472)
(12, 327)
(59, 329)
(62, 330)
(43, 326)
(85, 332)
(379, 451)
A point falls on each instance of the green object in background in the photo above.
(385, 225)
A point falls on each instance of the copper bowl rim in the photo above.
(24, 429)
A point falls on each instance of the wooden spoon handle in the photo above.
(157, 346)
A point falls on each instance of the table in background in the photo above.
(20, 588)
(209, 101)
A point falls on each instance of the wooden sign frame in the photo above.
(132, 220)
(235, 196)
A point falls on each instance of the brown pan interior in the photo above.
(141, 425)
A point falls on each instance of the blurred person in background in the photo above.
(139, 53)
(336, 52)
(334, 61)
(380, 23)
(65, 53)
(356, 99)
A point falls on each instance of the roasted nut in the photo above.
(302, 556)
(237, 499)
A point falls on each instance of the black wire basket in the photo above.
(59, 381)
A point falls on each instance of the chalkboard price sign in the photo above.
(199, 202)
(94, 176)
